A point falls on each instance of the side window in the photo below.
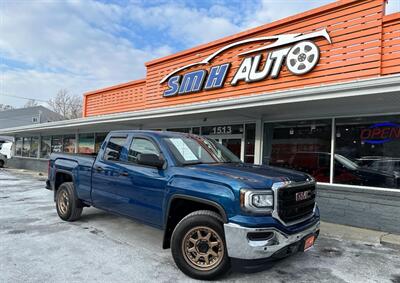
(114, 148)
(141, 145)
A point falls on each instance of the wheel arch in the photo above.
(62, 176)
(186, 204)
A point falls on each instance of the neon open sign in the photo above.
(380, 133)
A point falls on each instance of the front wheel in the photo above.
(68, 206)
(198, 245)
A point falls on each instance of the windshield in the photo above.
(196, 150)
(346, 162)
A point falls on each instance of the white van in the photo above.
(5, 152)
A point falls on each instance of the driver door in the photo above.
(144, 186)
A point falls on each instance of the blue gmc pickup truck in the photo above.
(215, 211)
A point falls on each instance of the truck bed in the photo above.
(80, 166)
(81, 159)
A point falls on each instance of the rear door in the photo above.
(143, 187)
(106, 173)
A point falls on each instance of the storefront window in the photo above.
(69, 143)
(34, 147)
(45, 147)
(99, 138)
(300, 145)
(250, 138)
(179, 130)
(86, 143)
(18, 146)
(368, 151)
(196, 130)
(222, 130)
(26, 146)
(56, 144)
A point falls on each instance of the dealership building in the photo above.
(317, 92)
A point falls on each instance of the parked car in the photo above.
(3, 157)
(216, 212)
(3, 160)
(5, 148)
(386, 164)
(346, 171)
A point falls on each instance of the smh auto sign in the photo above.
(297, 51)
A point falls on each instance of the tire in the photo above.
(69, 207)
(1, 163)
(205, 259)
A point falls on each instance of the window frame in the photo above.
(42, 142)
(20, 141)
(29, 141)
(333, 139)
(141, 138)
(122, 151)
(132, 138)
(80, 135)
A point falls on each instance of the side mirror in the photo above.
(150, 159)
(112, 155)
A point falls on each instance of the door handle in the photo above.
(126, 174)
(99, 169)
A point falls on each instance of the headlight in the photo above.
(256, 201)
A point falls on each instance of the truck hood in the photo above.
(253, 176)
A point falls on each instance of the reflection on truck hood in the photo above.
(256, 176)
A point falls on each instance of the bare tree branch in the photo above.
(4, 107)
(31, 103)
(69, 106)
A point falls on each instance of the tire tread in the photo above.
(190, 220)
(76, 204)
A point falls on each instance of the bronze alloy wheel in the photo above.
(203, 249)
(63, 202)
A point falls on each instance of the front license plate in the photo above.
(309, 242)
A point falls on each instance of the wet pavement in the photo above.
(37, 246)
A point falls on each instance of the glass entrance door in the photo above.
(234, 145)
(239, 138)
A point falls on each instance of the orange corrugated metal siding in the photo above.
(128, 97)
(391, 44)
(365, 43)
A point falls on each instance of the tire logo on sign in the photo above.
(302, 57)
(296, 51)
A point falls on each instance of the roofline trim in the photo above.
(347, 89)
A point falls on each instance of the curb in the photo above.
(390, 240)
(40, 176)
(360, 234)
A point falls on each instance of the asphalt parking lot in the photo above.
(37, 246)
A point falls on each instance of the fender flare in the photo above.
(66, 173)
(216, 205)
(166, 234)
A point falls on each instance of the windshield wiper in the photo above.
(192, 163)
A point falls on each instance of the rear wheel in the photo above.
(198, 245)
(1, 163)
(69, 207)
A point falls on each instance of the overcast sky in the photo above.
(50, 45)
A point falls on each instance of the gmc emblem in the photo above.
(303, 195)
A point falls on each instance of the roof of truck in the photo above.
(152, 133)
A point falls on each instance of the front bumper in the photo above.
(241, 246)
